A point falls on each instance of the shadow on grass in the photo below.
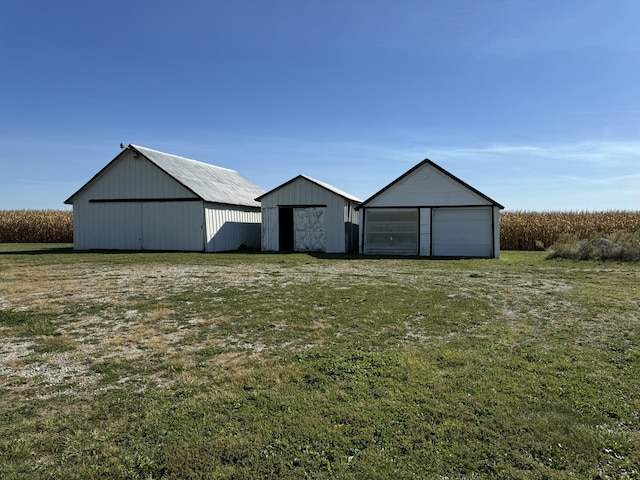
(39, 251)
(31, 250)
(35, 249)
(359, 256)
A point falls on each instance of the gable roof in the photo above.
(324, 185)
(426, 161)
(209, 182)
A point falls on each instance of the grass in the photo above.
(180, 365)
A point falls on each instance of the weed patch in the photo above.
(27, 323)
(620, 247)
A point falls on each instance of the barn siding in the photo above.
(496, 232)
(132, 177)
(230, 228)
(270, 223)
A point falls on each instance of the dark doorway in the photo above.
(285, 218)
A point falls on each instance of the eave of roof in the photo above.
(69, 201)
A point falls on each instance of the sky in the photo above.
(536, 103)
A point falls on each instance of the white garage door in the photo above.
(308, 229)
(462, 232)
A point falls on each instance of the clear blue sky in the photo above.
(536, 103)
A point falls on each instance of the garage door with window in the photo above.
(391, 231)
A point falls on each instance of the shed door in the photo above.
(309, 232)
(462, 232)
(391, 231)
(270, 229)
(111, 225)
(285, 229)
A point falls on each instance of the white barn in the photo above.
(307, 215)
(429, 212)
(148, 200)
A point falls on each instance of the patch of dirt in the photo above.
(105, 325)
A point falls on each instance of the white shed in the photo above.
(306, 215)
(430, 212)
(148, 200)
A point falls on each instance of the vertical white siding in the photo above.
(425, 232)
(230, 228)
(270, 223)
(427, 186)
(496, 232)
(132, 177)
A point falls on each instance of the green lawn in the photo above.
(179, 365)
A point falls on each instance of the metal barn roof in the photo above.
(209, 182)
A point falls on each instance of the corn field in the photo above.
(36, 226)
(525, 230)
